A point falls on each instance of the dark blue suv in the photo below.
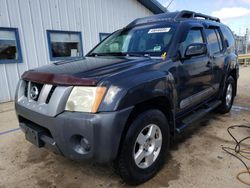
(132, 93)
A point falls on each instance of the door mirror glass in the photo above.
(196, 49)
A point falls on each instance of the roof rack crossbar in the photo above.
(191, 14)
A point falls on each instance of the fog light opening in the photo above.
(80, 144)
(85, 144)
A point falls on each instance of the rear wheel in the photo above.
(144, 148)
(228, 96)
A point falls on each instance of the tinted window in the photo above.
(213, 43)
(65, 44)
(219, 39)
(228, 36)
(193, 36)
(140, 40)
(9, 49)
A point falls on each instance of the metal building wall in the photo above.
(34, 17)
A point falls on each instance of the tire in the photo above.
(154, 148)
(227, 101)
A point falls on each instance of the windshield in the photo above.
(138, 41)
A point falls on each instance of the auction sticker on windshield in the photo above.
(159, 30)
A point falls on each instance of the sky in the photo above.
(234, 13)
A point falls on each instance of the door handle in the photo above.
(209, 64)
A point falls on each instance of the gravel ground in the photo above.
(195, 160)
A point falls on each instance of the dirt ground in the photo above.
(195, 160)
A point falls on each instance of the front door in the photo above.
(195, 74)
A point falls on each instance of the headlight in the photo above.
(85, 99)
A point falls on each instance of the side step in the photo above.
(197, 114)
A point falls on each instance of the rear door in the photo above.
(216, 55)
(195, 73)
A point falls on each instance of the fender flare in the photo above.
(230, 64)
(146, 90)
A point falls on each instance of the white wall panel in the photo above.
(63, 13)
(38, 31)
(4, 87)
(15, 21)
(54, 13)
(11, 71)
(28, 31)
(71, 15)
(34, 17)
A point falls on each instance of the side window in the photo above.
(64, 44)
(193, 36)
(213, 43)
(116, 44)
(10, 51)
(219, 39)
(227, 34)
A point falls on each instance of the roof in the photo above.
(153, 5)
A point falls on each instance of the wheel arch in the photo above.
(162, 103)
(233, 73)
(231, 68)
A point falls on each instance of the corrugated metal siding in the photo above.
(34, 17)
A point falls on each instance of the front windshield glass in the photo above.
(138, 41)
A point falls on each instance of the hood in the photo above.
(87, 71)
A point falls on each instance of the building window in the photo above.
(64, 44)
(103, 36)
(10, 51)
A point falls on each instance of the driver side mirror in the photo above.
(196, 49)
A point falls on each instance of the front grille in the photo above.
(38, 92)
(50, 100)
(50, 94)
(26, 89)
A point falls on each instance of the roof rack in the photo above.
(190, 14)
(185, 14)
(154, 18)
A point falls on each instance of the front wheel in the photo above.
(228, 96)
(144, 148)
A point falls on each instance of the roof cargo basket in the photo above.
(185, 14)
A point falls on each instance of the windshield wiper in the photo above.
(96, 54)
(138, 55)
(108, 54)
(117, 54)
(120, 54)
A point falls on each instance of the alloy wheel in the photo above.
(147, 146)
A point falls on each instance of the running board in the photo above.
(197, 114)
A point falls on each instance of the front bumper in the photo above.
(103, 132)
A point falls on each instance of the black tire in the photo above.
(127, 167)
(225, 107)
